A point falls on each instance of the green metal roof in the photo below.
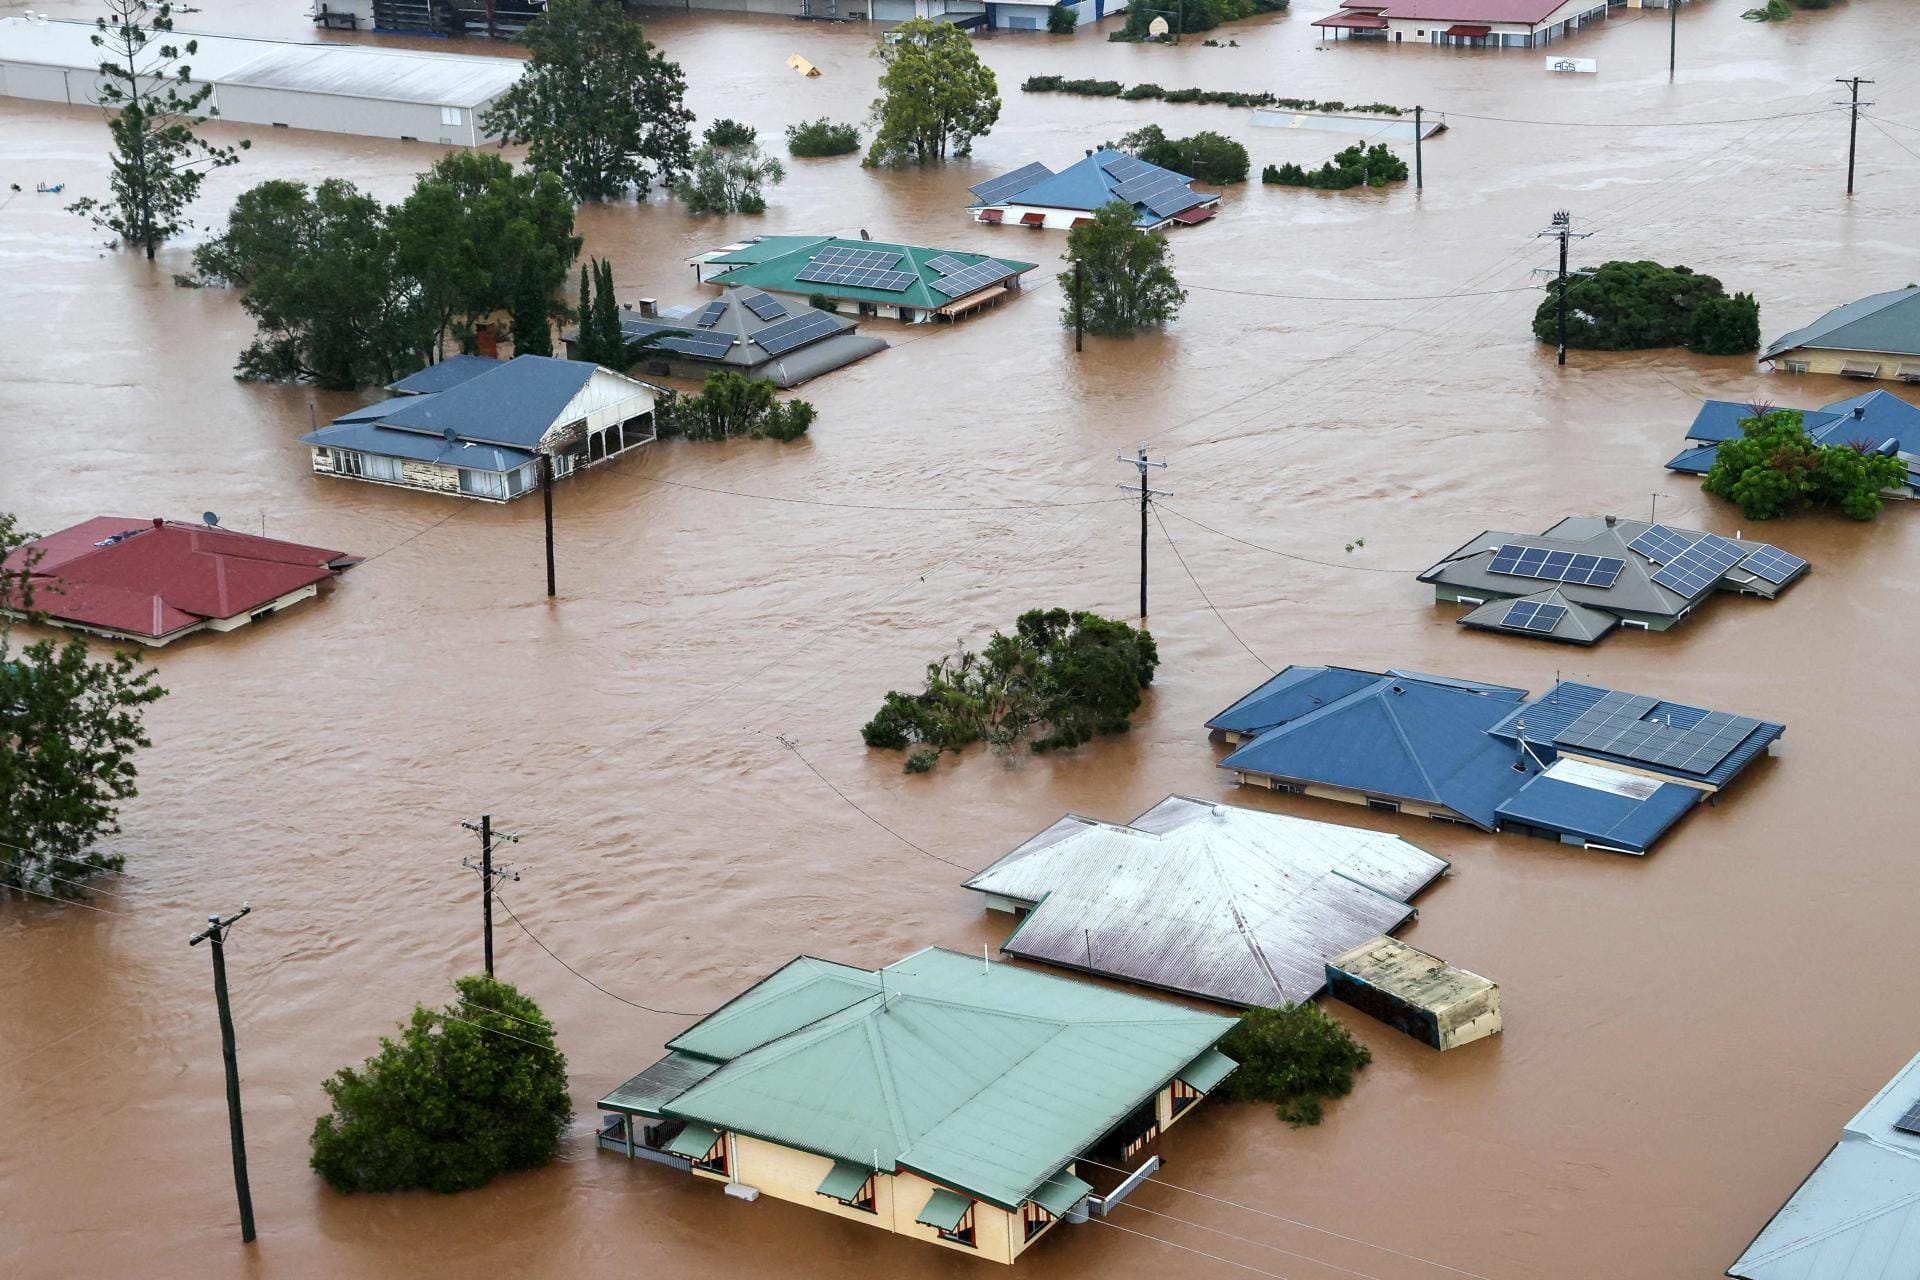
(1208, 1070)
(985, 1079)
(695, 1141)
(944, 1210)
(844, 1180)
(1883, 322)
(1061, 1192)
(776, 262)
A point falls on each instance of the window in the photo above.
(1288, 788)
(962, 1232)
(715, 1160)
(1383, 806)
(346, 462)
(864, 1198)
(379, 467)
(1184, 1096)
(483, 484)
(1034, 1219)
(451, 115)
(1796, 366)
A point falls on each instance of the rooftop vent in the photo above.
(1612, 520)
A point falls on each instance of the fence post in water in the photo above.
(1419, 173)
(216, 933)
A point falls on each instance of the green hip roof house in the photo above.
(941, 1097)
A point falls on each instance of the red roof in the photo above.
(1468, 29)
(990, 215)
(1437, 11)
(1033, 219)
(1360, 21)
(1196, 215)
(156, 577)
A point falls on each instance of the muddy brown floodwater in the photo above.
(1685, 1033)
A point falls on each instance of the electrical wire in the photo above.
(669, 1013)
(867, 506)
(409, 538)
(1890, 138)
(65, 902)
(1285, 555)
(1175, 547)
(1259, 1271)
(465, 1022)
(1317, 297)
(868, 816)
(1258, 1244)
(1638, 124)
(48, 875)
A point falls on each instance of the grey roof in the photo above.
(1578, 625)
(514, 403)
(1857, 1215)
(660, 1083)
(450, 372)
(837, 346)
(1634, 593)
(1884, 322)
(364, 435)
(1206, 899)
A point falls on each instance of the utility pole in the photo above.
(1079, 300)
(216, 933)
(1853, 129)
(1673, 37)
(1562, 230)
(1146, 496)
(546, 494)
(489, 874)
(1419, 170)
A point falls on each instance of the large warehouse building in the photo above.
(337, 88)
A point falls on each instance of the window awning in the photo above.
(1208, 1070)
(1083, 222)
(1860, 369)
(960, 306)
(1060, 1193)
(944, 1210)
(990, 215)
(1198, 214)
(1468, 29)
(1908, 373)
(1033, 219)
(695, 1141)
(844, 1180)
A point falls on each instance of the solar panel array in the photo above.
(840, 256)
(1125, 168)
(1660, 544)
(862, 277)
(701, 345)
(1618, 725)
(1700, 566)
(974, 278)
(1556, 566)
(710, 316)
(1526, 615)
(764, 305)
(946, 264)
(1910, 1121)
(796, 331)
(995, 190)
(1163, 192)
(1773, 564)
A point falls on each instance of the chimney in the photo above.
(159, 522)
(649, 307)
(486, 342)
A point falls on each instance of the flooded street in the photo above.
(1685, 1033)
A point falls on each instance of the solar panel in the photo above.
(860, 277)
(1007, 185)
(1629, 725)
(1660, 544)
(1700, 566)
(704, 346)
(946, 264)
(1772, 564)
(842, 257)
(711, 315)
(796, 331)
(1909, 1122)
(1167, 201)
(1135, 189)
(974, 278)
(1556, 566)
(764, 305)
(1527, 615)
(1125, 168)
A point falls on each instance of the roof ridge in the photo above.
(883, 1071)
(1406, 743)
(1820, 1237)
(1239, 921)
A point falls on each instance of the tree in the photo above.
(1628, 306)
(598, 105)
(732, 404)
(729, 133)
(602, 339)
(1127, 283)
(70, 730)
(1062, 19)
(1292, 1056)
(728, 180)
(1206, 156)
(936, 94)
(463, 1095)
(1059, 680)
(1775, 468)
(158, 159)
(1354, 166)
(1726, 326)
(822, 137)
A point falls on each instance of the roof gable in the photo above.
(1882, 322)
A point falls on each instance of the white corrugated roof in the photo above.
(1209, 899)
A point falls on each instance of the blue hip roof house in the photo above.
(1035, 196)
(1878, 422)
(1581, 764)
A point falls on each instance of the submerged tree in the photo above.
(152, 106)
(729, 180)
(1124, 283)
(731, 404)
(1630, 306)
(463, 1095)
(936, 94)
(1775, 468)
(598, 105)
(1294, 1057)
(70, 729)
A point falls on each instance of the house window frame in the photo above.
(867, 1198)
(964, 1231)
(1034, 1219)
(452, 116)
(715, 1163)
(1378, 805)
(1795, 366)
(1184, 1095)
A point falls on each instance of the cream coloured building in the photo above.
(1875, 337)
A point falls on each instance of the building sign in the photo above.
(1588, 65)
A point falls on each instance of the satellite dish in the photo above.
(212, 520)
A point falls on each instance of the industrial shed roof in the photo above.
(988, 1079)
(1857, 1215)
(1210, 900)
(1882, 322)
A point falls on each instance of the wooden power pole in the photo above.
(490, 876)
(216, 933)
(1146, 497)
(1853, 128)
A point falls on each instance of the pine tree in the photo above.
(611, 337)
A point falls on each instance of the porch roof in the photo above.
(366, 435)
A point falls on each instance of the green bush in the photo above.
(1062, 19)
(821, 302)
(1042, 84)
(1726, 326)
(1060, 679)
(729, 133)
(1136, 92)
(731, 404)
(1206, 156)
(1293, 1057)
(1632, 306)
(1774, 468)
(1373, 166)
(822, 137)
(462, 1096)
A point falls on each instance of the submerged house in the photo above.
(1208, 900)
(748, 332)
(479, 428)
(1420, 994)
(1510, 24)
(940, 1098)
(155, 581)
(1581, 764)
(1879, 422)
(1875, 337)
(1035, 196)
(892, 281)
(1857, 1215)
(1589, 574)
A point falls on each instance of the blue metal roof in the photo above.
(1696, 461)
(449, 373)
(1567, 701)
(515, 403)
(1877, 418)
(371, 437)
(1597, 816)
(1289, 695)
(1087, 185)
(1399, 738)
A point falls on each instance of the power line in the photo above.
(1890, 138)
(1107, 1222)
(447, 1017)
(65, 902)
(410, 537)
(1258, 1244)
(1203, 591)
(1286, 555)
(669, 1013)
(1321, 297)
(48, 875)
(791, 746)
(869, 506)
(1636, 124)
